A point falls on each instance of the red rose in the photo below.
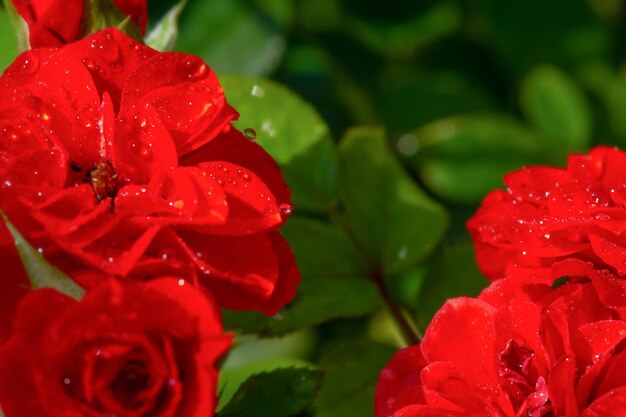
(113, 353)
(120, 158)
(515, 351)
(55, 22)
(550, 214)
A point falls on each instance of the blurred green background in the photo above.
(466, 90)
(455, 94)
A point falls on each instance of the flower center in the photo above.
(527, 390)
(103, 180)
(130, 382)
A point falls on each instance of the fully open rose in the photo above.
(55, 23)
(117, 158)
(515, 351)
(549, 214)
(146, 349)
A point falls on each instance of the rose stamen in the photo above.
(103, 180)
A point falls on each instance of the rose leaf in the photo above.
(352, 370)
(165, 33)
(391, 217)
(284, 392)
(292, 132)
(557, 107)
(40, 272)
(316, 302)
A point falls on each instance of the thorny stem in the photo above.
(408, 330)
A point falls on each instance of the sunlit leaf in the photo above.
(164, 35)
(292, 132)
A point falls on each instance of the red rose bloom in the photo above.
(113, 353)
(118, 158)
(55, 22)
(550, 214)
(515, 351)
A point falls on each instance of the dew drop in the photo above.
(181, 282)
(178, 204)
(250, 133)
(257, 91)
(30, 64)
(388, 375)
(198, 72)
(90, 64)
(285, 209)
(244, 175)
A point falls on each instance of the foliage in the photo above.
(460, 92)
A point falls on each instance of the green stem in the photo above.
(407, 328)
(409, 331)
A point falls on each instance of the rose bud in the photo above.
(56, 22)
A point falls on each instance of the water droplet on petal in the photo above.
(90, 64)
(388, 375)
(197, 72)
(285, 209)
(30, 63)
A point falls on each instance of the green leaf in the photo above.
(556, 106)
(237, 36)
(563, 33)
(292, 132)
(462, 158)
(231, 378)
(101, 14)
(406, 99)
(614, 94)
(390, 216)
(281, 393)
(41, 273)
(13, 34)
(451, 273)
(323, 250)
(399, 37)
(164, 35)
(352, 370)
(316, 302)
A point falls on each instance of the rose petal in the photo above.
(48, 24)
(188, 98)
(234, 147)
(111, 57)
(256, 272)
